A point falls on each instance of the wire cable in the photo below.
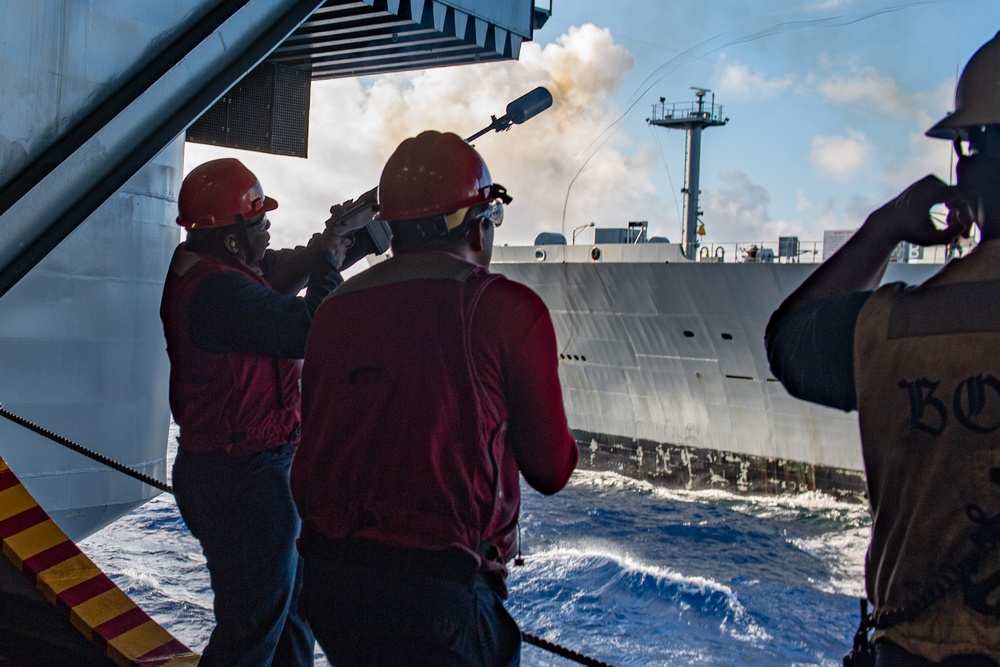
(552, 647)
(89, 453)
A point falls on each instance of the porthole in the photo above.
(539, 255)
(726, 336)
(595, 254)
(689, 334)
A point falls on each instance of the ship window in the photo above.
(539, 255)
(726, 336)
(583, 358)
(689, 334)
(595, 254)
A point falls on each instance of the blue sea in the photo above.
(615, 569)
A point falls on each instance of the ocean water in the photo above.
(615, 569)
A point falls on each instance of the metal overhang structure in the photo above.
(355, 38)
(60, 186)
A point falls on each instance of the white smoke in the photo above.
(356, 124)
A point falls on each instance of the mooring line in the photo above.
(90, 453)
(552, 647)
(562, 651)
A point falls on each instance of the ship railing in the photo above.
(813, 252)
(709, 111)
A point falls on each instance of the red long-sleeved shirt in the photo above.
(428, 384)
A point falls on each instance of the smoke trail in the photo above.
(356, 124)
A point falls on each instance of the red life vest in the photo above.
(401, 443)
(237, 403)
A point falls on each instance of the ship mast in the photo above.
(693, 117)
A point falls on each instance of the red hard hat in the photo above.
(431, 174)
(214, 193)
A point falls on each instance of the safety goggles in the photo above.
(258, 224)
(498, 192)
(493, 213)
(497, 197)
(983, 140)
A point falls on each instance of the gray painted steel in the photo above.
(368, 36)
(81, 345)
(658, 351)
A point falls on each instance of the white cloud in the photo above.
(846, 80)
(840, 157)
(828, 5)
(737, 211)
(737, 215)
(737, 81)
(927, 156)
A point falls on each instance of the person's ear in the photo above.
(231, 244)
(476, 233)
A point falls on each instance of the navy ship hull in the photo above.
(664, 373)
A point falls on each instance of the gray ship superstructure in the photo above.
(664, 371)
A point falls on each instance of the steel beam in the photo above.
(55, 194)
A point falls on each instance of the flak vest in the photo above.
(927, 372)
(403, 445)
(233, 403)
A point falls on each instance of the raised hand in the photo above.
(908, 216)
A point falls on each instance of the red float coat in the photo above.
(428, 384)
(237, 403)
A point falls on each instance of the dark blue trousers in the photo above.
(387, 610)
(240, 508)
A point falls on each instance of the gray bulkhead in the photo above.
(97, 97)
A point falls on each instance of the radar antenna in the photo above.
(693, 118)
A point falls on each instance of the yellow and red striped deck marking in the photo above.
(77, 587)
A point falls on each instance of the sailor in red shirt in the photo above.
(444, 387)
(235, 333)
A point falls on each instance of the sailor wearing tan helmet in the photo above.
(920, 365)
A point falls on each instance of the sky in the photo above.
(828, 102)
